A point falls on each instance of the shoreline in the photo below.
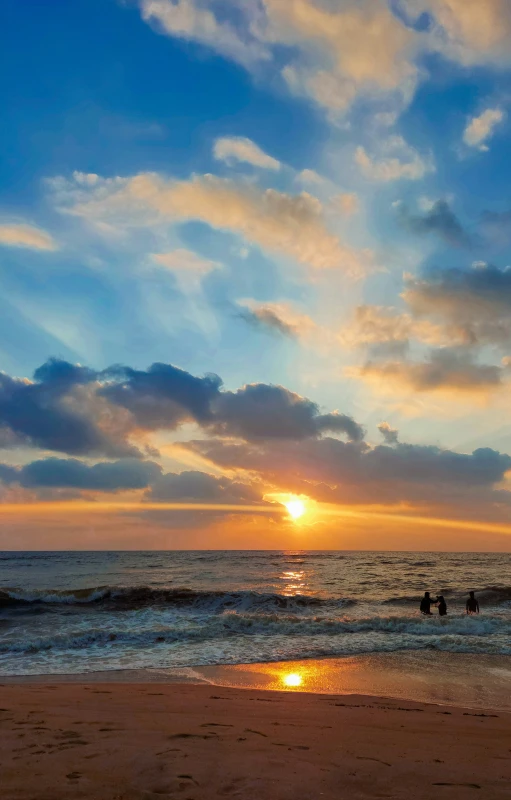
(111, 740)
(432, 677)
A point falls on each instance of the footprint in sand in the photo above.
(216, 725)
(465, 785)
(368, 758)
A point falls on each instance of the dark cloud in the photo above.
(73, 474)
(475, 303)
(164, 396)
(389, 434)
(268, 319)
(74, 410)
(61, 373)
(42, 414)
(262, 411)
(201, 487)
(69, 473)
(331, 470)
(440, 220)
(8, 474)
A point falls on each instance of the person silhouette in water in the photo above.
(425, 605)
(442, 606)
(472, 604)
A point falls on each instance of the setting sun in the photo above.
(296, 508)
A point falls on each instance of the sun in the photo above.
(296, 508)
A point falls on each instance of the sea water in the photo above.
(75, 612)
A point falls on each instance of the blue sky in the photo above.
(311, 194)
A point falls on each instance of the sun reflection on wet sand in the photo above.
(411, 675)
(292, 679)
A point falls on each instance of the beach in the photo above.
(135, 741)
(252, 675)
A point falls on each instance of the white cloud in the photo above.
(481, 128)
(185, 262)
(335, 53)
(191, 20)
(343, 49)
(469, 31)
(396, 161)
(26, 236)
(292, 225)
(238, 148)
(310, 176)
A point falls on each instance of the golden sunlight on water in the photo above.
(294, 582)
(292, 679)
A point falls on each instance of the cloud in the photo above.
(439, 220)
(342, 52)
(47, 413)
(192, 21)
(129, 475)
(396, 161)
(330, 470)
(330, 54)
(26, 236)
(74, 410)
(259, 411)
(292, 225)
(237, 148)
(196, 486)
(277, 318)
(457, 312)
(185, 263)
(469, 31)
(476, 303)
(389, 434)
(445, 370)
(163, 397)
(73, 474)
(387, 332)
(481, 128)
(337, 53)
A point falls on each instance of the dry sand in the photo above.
(147, 742)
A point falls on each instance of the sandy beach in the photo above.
(120, 741)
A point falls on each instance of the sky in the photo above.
(255, 283)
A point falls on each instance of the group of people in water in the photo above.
(472, 605)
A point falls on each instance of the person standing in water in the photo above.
(425, 606)
(472, 604)
(442, 606)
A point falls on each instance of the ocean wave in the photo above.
(489, 595)
(435, 631)
(494, 594)
(143, 596)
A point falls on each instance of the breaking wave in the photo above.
(144, 596)
(436, 632)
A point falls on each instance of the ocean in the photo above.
(78, 612)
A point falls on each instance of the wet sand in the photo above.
(147, 741)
